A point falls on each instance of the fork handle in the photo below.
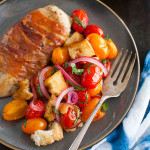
(81, 134)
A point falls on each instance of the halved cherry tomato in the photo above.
(107, 66)
(95, 91)
(60, 55)
(112, 49)
(93, 29)
(34, 124)
(89, 109)
(91, 76)
(75, 77)
(36, 111)
(83, 98)
(82, 21)
(99, 45)
(68, 119)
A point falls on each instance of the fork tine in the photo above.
(120, 65)
(115, 62)
(129, 71)
(124, 68)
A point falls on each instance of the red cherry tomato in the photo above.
(93, 29)
(67, 120)
(75, 77)
(91, 76)
(36, 110)
(107, 66)
(83, 98)
(82, 21)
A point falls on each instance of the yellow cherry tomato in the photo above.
(34, 124)
(60, 55)
(99, 45)
(112, 49)
(96, 90)
(89, 109)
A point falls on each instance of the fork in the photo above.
(113, 86)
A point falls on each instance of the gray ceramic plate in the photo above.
(11, 11)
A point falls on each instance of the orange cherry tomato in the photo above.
(96, 90)
(89, 109)
(34, 124)
(60, 55)
(112, 49)
(99, 45)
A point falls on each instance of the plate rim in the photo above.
(120, 120)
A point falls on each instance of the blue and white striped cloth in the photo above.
(134, 131)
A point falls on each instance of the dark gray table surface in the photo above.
(136, 15)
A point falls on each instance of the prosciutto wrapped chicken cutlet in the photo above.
(26, 47)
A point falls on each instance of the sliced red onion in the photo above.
(33, 91)
(41, 82)
(91, 60)
(59, 99)
(76, 125)
(66, 75)
(72, 97)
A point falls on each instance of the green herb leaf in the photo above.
(106, 37)
(86, 96)
(39, 90)
(88, 70)
(54, 69)
(78, 114)
(82, 102)
(77, 87)
(105, 106)
(78, 21)
(104, 61)
(66, 64)
(75, 70)
(55, 111)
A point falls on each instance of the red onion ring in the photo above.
(59, 99)
(72, 97)
(76, 125)
(41, 82)
(91, 60)
(33, 90)
(97, 96)
(66, 75)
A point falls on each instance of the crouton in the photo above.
(56, 83)
(80, 49)
(74, 38)
(49, 115)
(70, 130)
(41, 137)
(57, 131)
(24, 91)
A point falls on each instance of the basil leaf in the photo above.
(78, 21)
(104, 61)
(39, 90)
(77, 87)
(66, 64)
(54, 69)
(55, 111)
(88, 70)
(75, 70)
(86, 96)
(82, 102)
(106, 37)
(105, 106)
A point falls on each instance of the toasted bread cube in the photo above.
(57, 131)
(24, 91)
(74, 38)
(80, 49)
(56, 83)
(49, 115)
(41, 137)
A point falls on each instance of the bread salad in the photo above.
(54, 76)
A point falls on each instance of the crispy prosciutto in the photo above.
(26, 47)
